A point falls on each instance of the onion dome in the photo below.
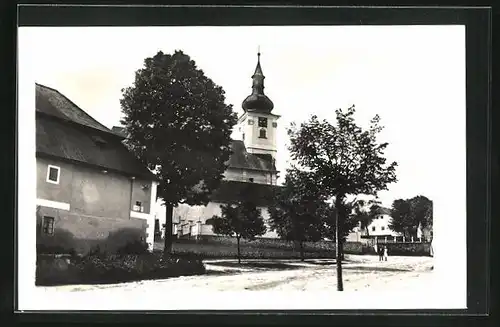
(258, 101)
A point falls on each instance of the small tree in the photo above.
(364, 212)
(243, 220)
(344, 159)
(179, 126)
(296, 214)
(330, 217)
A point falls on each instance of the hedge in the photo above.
(131, 262)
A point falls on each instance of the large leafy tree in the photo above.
(422, 211)
(241, 219)
(179, 125)
(296, 214)
(402, 219)
(344, 158)
(410, 214)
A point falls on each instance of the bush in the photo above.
(98, 267)
(135, 247)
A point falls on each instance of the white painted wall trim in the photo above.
(154, 188)
(141, 215)
(53, 204)
(152, 216)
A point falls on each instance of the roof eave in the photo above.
(149, 176)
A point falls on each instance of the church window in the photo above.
(262, 133)
(262, 122)
(275, 124)
(243, 136)
(250, 122)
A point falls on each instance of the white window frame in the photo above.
(58, 174)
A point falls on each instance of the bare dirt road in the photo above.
(359, 273)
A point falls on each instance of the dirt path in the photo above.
(224, 275)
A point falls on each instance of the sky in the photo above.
(412, 76)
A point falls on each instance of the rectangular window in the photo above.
(138, 206)
(48, 225)
(53, 173)
(383, 228)
(262, 122)
(373, 228)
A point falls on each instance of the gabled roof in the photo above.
(241, 159)
(383, 211)
(65, 131)
(51, 102)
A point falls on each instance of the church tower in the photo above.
(258, 125)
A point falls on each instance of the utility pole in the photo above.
(338, 256)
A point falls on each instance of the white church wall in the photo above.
(201, 213)
(242, 175)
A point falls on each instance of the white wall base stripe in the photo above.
(53, 204)
(141, 215)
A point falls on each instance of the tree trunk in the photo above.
(167, 249)
(341, 246)
(340, 286)
(238, 244)
(301, 244)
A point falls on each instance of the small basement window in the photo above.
(138, 206)
(53, 174)
(48, 225)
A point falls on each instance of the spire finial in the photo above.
(258, 52)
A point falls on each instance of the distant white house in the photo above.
(379, 231)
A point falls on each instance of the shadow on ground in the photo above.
(277, 266)
(258, 265)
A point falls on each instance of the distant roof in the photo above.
(241, 159)
(119, 131)
(383, 211)
(65, 131)
(231, 191)
(51, 102)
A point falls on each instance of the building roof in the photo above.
(65, 131)
(233, 191)
(258, 101)
(383, 211)
(241, 159)
(51, 102)
(118, 130)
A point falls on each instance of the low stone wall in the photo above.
(403, 249)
